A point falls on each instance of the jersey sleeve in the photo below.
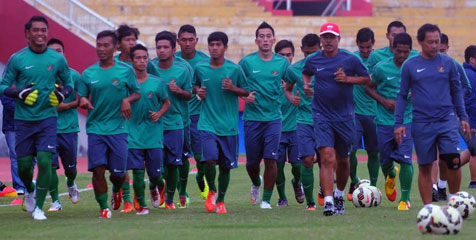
(187, 83)
(151, 69)
(308, 69)
(9, 76)
(402, 96)
(162, 92)
(132, 83)
(290, 76)
(372, 62)
(83, 86)
(241, 79)
(76, 78)
(243, 66)
(359, 67)
(456, 93)
(196, 78)
(64, 73)
(376, 75)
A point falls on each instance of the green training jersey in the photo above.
(178, 116)
(294, 76)
(381, 54)
(264, 77)
(26, 67)
(388, 77)
(106, 88)
(143, 133)
(363, 103)
(194, 103)
(150, 66)
(68, 119)
(219, 113)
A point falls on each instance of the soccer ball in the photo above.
(364, 182)
(461, 204)
(469, 201)
(363, 197)
(425, 218)
(376, 194)
(454, 221)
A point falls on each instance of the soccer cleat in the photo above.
(265, 205)
(169, 205)
(184, 201)
(9, 192)
(154, 197)
(20, 192)
(320, 197)
(352, 187)
(116, 200)
(29, 200)
(210, 202)
(339, 207)
(221, 207)
(390, 189)
(73, 194)
(162, 193)
(204, 192)
(17, 201)
(282, 203)
(143, 211)
(311, 206)
(298, 192)
(105, 213)
(127, 207)
(135, 202)
(434, 195)
(442, 194)
(255, 193)
(55, 206)
(329, 209)
(402, 206)
(38, 214)
(472, 184)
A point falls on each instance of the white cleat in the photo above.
(155, 197)
(143, 211)
(255, 192)
(29, 201)
(73, 194)
(265, 205)
(55, 206)
(38, 214)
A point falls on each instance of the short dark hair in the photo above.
(470, 52)
(428, 27)
(264, 25)
(55, 41)
(166, 35)
(125, 30)
(218, 36)
(187, 28)
(107, 33)
(365, 34)
(403, 39)
(137, 47)
(396, 24)
(444, 39)
(284, 44)
(35, 19)
(310, 40)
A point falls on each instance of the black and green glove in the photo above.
(59, 94)
(27, 94)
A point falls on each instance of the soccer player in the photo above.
(262, 116)
(33, 71)
(66, 139)
(187, 40)
(307, 145)
(107, 90)
(364, 118)
(219, 83)
(470, 103)
(436, 94)
(288, 146)
(335, 71)
(145, 138)
(178, 78)
(384, 89)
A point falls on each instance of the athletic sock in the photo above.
(101, 198)
(307, 180)
(267, 195)
(389, 170)
(280, 181)
(223, 182)
(406, 179)
(53, 187)
(373, 165)
(256, 181)
(126, 191)
(353, 167)
(329, 199)
(210, 174)
(200, 172)
(441, 183)
(171, 181)
(43, 178)
(183, 174)
(70, 177)
(296, 171)
(154, 182)
(139, 186)
(338, 193)
(25, 171)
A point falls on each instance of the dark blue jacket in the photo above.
(470, 101)
(8, 113)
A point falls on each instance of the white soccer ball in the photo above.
(460, 204)
(363, 197)
(424, 218)
(364, 182)
(469, 201)
(376, 194)
(454, 221)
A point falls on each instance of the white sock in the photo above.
(329, 199)
(427, 205)
(441, 183)
(450, 196)
(434, 186)
(338, 193)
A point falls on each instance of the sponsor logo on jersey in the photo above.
(441, 69)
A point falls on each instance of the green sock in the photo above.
(373, 164)
(43, 178)
(406, 178)
(296, 171)
(267, 195)
(70, 177)
(210, 174)
(200, 170)
(101, 198)
(280, 181)
(353, 167)
(389, 170)
(183, 174)
(53, 188)
(139, 186)
(25, 171)
(153, 182)
(307, 180)
(223, 182)
(256, 181)
(171, 181)
(117, 188)
(126, 191)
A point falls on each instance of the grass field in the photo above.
(243, 220)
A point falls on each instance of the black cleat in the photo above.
(339, 205)
(434, 195)
(442, 194)
(472, 184)
(329, 209)
(298, 192)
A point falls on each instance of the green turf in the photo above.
(243, 220)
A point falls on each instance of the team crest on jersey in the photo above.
(340, 68)
(49, 67)
(441, 69)
(275, 73)
(150, 95)
(115, 82)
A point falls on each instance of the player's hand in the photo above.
(466, 129)
(126, 109)
(227, 84)
(296, 100)
(202, 92)
(56, 96)
(251, 98)
(308, 90)
(84, 103)
(340, 76)
(173, 86)
(28, 95)
(283, 85)
(154, 116)
(399, 134)
(389, 104)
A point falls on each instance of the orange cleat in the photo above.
(116, 200)
(127, 207)
(221, 207)
(105, 213)
(8, 192)
(210, 202)
(169, 206)
(162, 194)
(136, 203)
